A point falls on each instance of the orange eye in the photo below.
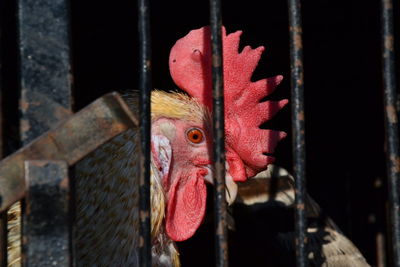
(195, 136)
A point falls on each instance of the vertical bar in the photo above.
(45, 65)
(220, 206)
(298, 129)
(45, 77)
(391, 125)
(145, 86)
(47, 236)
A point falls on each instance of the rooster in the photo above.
(107, 219)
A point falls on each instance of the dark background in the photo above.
(343, 92)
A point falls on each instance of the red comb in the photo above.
(246, 143)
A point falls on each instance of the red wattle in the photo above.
(186, 206)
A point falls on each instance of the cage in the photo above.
(345, 107)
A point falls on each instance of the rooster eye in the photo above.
(195, 135)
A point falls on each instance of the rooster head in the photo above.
(181, 153)
(182, 145)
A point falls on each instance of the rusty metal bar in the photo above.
(45, 65)
(45, 78)
(145, 86)
(220, 205)
(70, 141)
(391, 125)
(298, 127)
(46, 228)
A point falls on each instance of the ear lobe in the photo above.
(236, 167)
(162, 154)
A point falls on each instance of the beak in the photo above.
(231, 188)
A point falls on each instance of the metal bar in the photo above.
(145, 86)
(45, 78)
(220, 206)
(298, 127)
(45, 65)
(70, 141)
(391, 125)
(46, 228)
